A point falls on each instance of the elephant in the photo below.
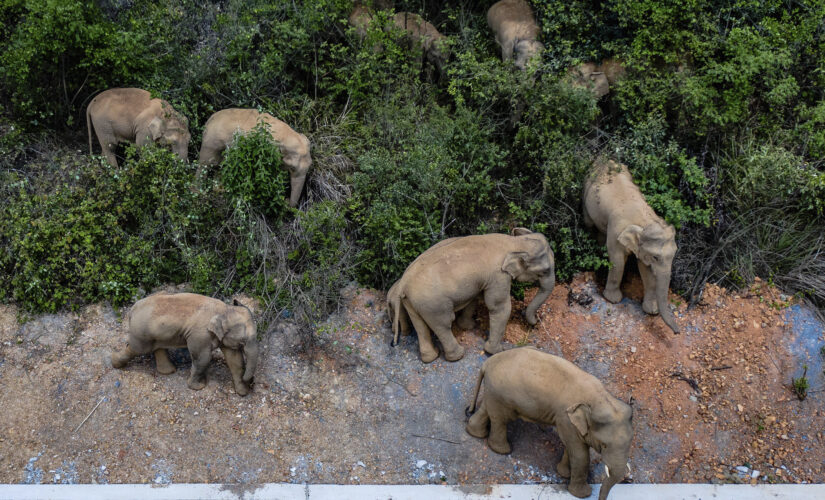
(451, 275)
(589, 76)
(539, 387)
(617, 208)
(131, 115)
(199, 323)
(516, 31)
(598, 78)
(222, 126)
(421, 33)
(360, 18)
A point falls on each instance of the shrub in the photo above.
(252, 170)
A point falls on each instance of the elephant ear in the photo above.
(579, 415)
(514, 263)
(156, 128)
(629, 238)
(520, 231)
(217, 326)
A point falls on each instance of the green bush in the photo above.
(58, 52)
(426, 177)
(252, 171)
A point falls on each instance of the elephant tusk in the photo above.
(628, 468)
(607, 470)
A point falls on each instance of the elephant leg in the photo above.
(612, 290)
(107, 148)
(119, 359)
(200, 362)
(563, 468)
(479, 422)
(465, 319)
(498, 303)
(425, 342)
(234, 360)
(163, 363)
(442, 322)
(649, 304)
(579, 457)
(497, 440)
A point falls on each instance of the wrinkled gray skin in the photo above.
(422, 33)
(537, 387)
(451, 275)
(199, 323)
(591, 77)
(131, 115)
(617, 208)
(515, 30)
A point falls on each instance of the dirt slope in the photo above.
(359, 411)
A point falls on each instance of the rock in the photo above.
(360, 463)
(420, 464)
(754, 474)
(742, 469)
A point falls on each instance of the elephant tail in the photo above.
(396, 319)
(89, 128)
(472, 408)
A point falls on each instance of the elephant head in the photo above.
(607, 426)
(654, 246)
(525, 50)
(297, 160)
(235, 328)
(588, 76)
(170, 129)
(532, 261)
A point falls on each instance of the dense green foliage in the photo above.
(720, 117)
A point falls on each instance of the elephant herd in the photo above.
(445, 282)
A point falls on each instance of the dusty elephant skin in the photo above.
(516, 31)
(199, 323)
(617, 208)
(597, 78)
(131, 115)
(222, 126)
(452, 274)
(537, 387)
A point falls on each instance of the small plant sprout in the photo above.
(800, 384)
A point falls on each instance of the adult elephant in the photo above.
(538, 387)
(515, 30)
(199, 323)
(453, 273)
(420, 33)
(132, 115)
(617, 208)
(222, 126)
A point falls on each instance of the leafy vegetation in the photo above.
(720, 118)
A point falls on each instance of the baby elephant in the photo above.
(199, 323)
(538, 387)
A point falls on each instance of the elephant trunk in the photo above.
(663, 284)
(547, 283)
(297, 186)
(250, 350)
(182, 150)
(616, 468)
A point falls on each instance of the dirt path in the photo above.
(360, 411)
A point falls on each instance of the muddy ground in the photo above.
(713, 404)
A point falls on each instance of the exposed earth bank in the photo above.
(713, 404)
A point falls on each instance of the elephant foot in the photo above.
(164, 364)
(614, 295)
(455, 354)
(477, 429)
(499, 446)
(119, 359)
(428, 356)
(196, 384)
(241, 388)
(581, 490)
(650, 306)
(563, 470)
(492, 348)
